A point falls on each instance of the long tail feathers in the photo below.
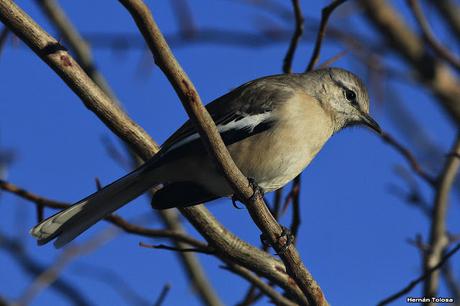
(71, 222)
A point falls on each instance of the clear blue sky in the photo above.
(354, 231)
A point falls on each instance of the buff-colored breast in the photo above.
(274, 158)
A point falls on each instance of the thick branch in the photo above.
(76, 43)
(98, 102)
(70, 72)
(216, 147)
(83, 54)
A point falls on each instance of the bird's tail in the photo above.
(71, 222)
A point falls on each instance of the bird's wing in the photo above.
(243, 112)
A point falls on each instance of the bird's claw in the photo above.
(288, 237)
(284, 240)
(257, 189)
(234, 200)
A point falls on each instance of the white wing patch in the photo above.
(248, 122)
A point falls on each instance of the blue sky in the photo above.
(354, 231)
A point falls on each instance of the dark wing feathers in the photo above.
(255, 97)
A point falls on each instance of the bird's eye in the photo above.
(350, 95)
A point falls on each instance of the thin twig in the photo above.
(398, 35)
(3, 37)
(274, 295)
(162, 296)
(112, 279)
(409, 157)
(325, 14)
(250, 296)
(429, 37)
(50, 275)
(184, 17)
(33, 268)
(416, 281)
(294, 198)
(114, 219)
(438, 240)
(176, 249)
(216, 148)
(299, 24)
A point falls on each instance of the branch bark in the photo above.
(216, 148)
(438, 240)
(97, 101)
(437, 76)
(442, 51)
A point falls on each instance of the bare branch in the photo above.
(274, 295)
(416, 281)
(50, 51)
(450, 12)
(438, 240)
(434, 74)
(115, 220)
(442, 51)
(409, 157)
(3, 37)
(162, 296)
(325, 14)
(216, 148)
(34, 268)
(110, 278)
(176, 249)
(184, 17)
(296, 36)
(50, 275)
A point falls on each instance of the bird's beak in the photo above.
(367, 120)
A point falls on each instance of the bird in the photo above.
(272, 127)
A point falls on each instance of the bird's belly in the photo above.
(273, 160)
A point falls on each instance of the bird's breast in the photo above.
(275, 157)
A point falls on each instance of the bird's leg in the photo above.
(285, 239)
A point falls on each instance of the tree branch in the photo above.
(217, 150)
(416, 281)
(416, 167)
(296, 36)
(47, 48)
(33, 268)
(274, 295)
(438, 77)
(325, 14)
(442, 51)
(114, 219)
(438, 240)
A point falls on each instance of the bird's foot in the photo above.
(258, 191)
(284, 240)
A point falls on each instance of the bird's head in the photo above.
(345, 96)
